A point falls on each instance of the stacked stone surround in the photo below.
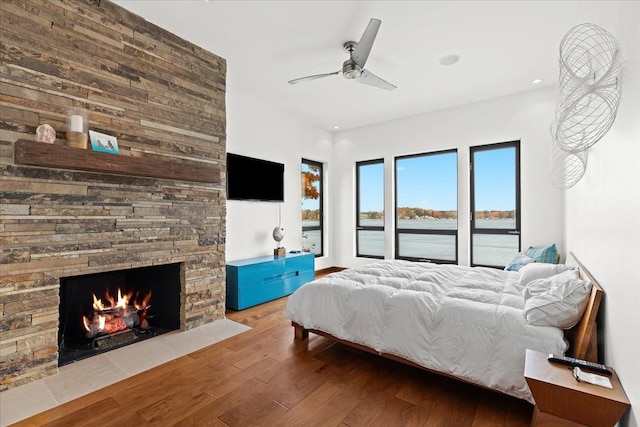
(162, 97)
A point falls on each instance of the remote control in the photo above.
(582, 364)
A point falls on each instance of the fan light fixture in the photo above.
(353, 68)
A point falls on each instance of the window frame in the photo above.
(360, 227)
(472, 220)
(320, 226)
(398, 230)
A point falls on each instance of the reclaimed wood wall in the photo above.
(163, 98)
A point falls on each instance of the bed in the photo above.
(470, 323)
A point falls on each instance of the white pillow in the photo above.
(539, 286)
(556, 301)
(540, 270)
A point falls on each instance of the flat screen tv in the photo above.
(249, 178)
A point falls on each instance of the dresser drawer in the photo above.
(292, 282)
(257, 280)
(258, 293)
(259, 273)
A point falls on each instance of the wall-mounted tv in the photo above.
(249, 178)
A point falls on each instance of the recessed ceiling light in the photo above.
(336, 127)
(449, 59)
(536, 81)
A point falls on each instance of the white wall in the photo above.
(256, 129)
(525, 117)
(603, 218)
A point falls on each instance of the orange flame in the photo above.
(100, 323)
(97, 303)
(144, 304)
(123, 301)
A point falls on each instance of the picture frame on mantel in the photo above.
(103, 142)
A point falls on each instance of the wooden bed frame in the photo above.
(582, 338)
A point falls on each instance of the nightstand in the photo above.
(563, 401)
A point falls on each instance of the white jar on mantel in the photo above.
(77, 127)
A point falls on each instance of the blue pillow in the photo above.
(548, 254)
(518, 262)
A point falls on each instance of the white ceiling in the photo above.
(503, 46)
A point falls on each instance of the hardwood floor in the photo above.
(263, 377)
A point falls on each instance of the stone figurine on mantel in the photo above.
(45, 133)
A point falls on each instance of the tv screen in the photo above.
(249, 178)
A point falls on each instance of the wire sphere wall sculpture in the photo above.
(589, 93)
(567, 168)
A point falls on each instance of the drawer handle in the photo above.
(282, 276)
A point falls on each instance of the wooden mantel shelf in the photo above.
(31, 153)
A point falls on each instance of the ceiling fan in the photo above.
(353, 68)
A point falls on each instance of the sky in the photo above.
(430, 182)
(495, 179)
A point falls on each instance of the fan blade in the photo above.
(361, 53)
(367, 77)
(315, 76)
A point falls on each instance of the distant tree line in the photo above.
(310, 214)
(422, 213)
(495, 214)
(413, 213)
(372, 215)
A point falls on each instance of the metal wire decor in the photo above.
(567, 168)
(588, 96)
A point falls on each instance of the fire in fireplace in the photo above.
(100, 312)
(124, 314)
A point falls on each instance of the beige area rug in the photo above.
(72, 380)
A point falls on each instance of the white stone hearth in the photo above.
(72, 380)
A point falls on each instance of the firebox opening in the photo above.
(103, 311)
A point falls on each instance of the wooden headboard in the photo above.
(583, 338)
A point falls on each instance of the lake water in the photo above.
(488, 249)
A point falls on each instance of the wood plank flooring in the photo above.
(263, 377)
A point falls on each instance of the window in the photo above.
(495, 203)
(427, 207)
(312, 235)
(370, 209)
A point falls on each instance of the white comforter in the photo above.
(463, 321)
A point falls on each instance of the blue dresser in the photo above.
(256, 280)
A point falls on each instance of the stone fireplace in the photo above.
(69, 212)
